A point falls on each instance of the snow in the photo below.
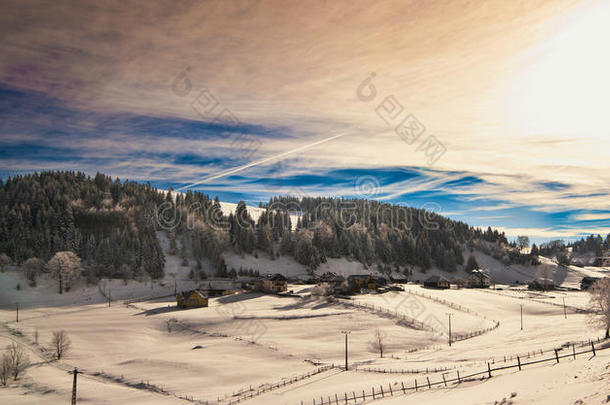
(254, 339)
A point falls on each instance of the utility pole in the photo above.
(17, 304)
(346, 332)
(565, 311)
(75, 372)
(521, 316)
(449, 315)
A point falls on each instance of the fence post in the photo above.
(346, 398)
(428, 378)
(354, 394)
(519, 363)
(382, 393)
(458, 374)
(403, 387)
(373, 393)
(416, 385)
(336, 399)
(593, 348)
(444, 381)
(390, 387)
(574, 351)
(556, 356)
(489, 370)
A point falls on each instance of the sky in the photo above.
(491, 112)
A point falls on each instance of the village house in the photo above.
(436, 282)
(191, 299)
(357, 283)
(459, 282)
(478, 279)
(219, 286)
(331, 283)
(271, 283)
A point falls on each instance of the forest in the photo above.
(113, 227)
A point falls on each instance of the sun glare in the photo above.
(564, 87)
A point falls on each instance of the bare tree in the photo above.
(61, 343)
(378, 342)
(65, 266)
(599, 303)
(18, 359)
(5, 369)
(523, 241)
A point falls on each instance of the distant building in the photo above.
(587, 282)
(358, 282)
(459, 282)
(541, 284)
(332, 283)
(271, 283)
(478, 279)
(436, 282)
(191, 299)
(219, 286)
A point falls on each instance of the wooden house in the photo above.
(332, 283)
(358, 282)
(459, 282)
(272, 283)
(219, 286)
(191, 299)
(436, 282)
(478, 279)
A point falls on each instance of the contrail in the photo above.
(258, 162)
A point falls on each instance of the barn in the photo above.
(191, 299)
(436, 282)
(219, 286)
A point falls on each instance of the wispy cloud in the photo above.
(92, 86)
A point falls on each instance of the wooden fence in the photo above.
(541, 301)
(423, 383)
(412, 322)
(456, 337)
(250, 392)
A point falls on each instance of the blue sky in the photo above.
(500, 123)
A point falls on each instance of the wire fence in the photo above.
(399, 388)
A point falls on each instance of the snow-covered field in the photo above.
(148, 352)
(250, 340)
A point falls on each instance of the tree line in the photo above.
(112, 225)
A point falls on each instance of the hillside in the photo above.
(126, 230)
